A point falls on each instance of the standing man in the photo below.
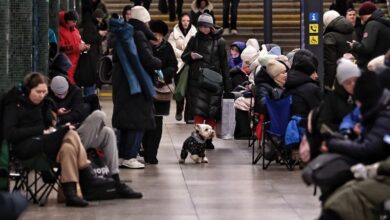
(233, 6)
(376, 35)
(357, 24)
(70, 40)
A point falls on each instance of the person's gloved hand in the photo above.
(160, 75)
(363, 172)
(359, 171)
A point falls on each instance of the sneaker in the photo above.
(178, 116)
(234, 32)
(225, 31)
(133, 164)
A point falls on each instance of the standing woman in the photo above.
(179, 38)
(206, 49)
(199, 7)
(163, 51)
(133, 114)
(29, 127)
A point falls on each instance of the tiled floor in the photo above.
(229, 187)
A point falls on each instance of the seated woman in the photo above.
(29, 127)
(302, 84)
(270, 82)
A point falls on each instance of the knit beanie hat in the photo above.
(305, 61)
(71, 16)
(59, 85)
(253, 42)
(367, 8)
(346, 70)
(140, 13)
(205, 19)
(368, 90)
(329, 16)
(99, 13)
(158, 26)
(249, 54)
(275, 67)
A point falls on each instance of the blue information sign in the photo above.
(313, 17)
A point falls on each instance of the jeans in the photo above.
(129, 143)
(233, 13)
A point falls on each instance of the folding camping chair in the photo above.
(36, 177)
(273, 132)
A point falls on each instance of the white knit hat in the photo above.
(253, 42)
(329, 16)
(249, 54)
(140, 13)
(346, 70)
(274, 68)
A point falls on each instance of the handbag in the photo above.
(181, 87)
(210, 80)
(164, 92)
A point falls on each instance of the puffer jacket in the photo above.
(370, 147)
(212, 48)
(70, 40)
(336, 35)
(306, 94)
(265, 87)
(375, 41)
(179, 42)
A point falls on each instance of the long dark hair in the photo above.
(183, 30)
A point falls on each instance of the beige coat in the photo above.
(179, 43)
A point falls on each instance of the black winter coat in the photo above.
(212, 48)
(237, 76)
(336, 35)
(306, 94)
(134, 111)
(336, 105)
(370, 147)
(169, 68)
(375, 40)
(75, 103)
(24, 120)
(265, 87)
(90, 35)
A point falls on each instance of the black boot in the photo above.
(89, 179)
(123, 190)
(209, 145)
(70, 193)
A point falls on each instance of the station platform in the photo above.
(227, 188)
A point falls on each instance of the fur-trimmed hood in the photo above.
(195, 9)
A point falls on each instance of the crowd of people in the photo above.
(60, 115)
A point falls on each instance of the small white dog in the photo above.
(196, 144)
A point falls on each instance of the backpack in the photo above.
(328, 171)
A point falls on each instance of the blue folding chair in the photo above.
(278, 115)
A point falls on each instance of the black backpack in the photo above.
(328, 171)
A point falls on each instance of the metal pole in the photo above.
(4, 49)
(267, 21)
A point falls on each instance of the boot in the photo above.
(71, 197)
(124, 191)
(209, 145)
(89, 179)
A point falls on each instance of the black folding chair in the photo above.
(36, 177)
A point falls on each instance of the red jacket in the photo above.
(70, 40)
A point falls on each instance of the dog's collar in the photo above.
(197, 137)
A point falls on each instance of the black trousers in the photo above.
(184, 104)
(233, 13)
(151, 140)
